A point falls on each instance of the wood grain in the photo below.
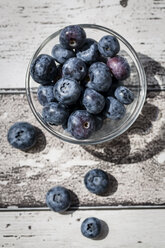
(135, 160)
(25, 24)
(122, 229)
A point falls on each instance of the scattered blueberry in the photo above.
(43, 69)
(114, 109)
(45, 94)
(108, 46)
(119, 67)
(124, 95)
(72, 36)
(91, 227)
(90, 55)
(55, 113)
(58, 199)
(96, 181)
(81, 124)
(67, 91)
(100, 77)
(22, 135)
(74, 68)
(93, 101)
(61, 54)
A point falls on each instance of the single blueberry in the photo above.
(93, 101)
(72, 36)
(114, 109)
(74, 68)
(89, 55)
(67, 91)
(100, 77)
(22, 135)
(124, 95)
(55, 113)
(119, 67)
(91, 227)
(43, 69)
(45, 94)
(81, 124)
(58, 199)
(108, 46)
(96, 181)
(61, 54)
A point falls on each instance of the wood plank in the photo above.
(123, 229)
(24, 25)
(135, 160)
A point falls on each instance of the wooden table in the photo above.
(134, 209)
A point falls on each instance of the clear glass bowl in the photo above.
(136, 82)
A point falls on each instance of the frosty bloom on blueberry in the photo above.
(58, 199)
(91, 227)
(22, 135)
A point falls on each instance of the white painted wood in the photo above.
(127, 228)
(25, 24)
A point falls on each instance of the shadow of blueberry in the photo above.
(118, 151)
(104, 231)
(40, 142)
(74, 203)
(113, 186)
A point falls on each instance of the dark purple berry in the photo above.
(119, 67)
(81, 124)
(72, 36)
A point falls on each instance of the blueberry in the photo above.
(93, 101)
(61, 54)
(43, 69)
(96, 181)
(81, 124)
(72, 36)
(22, 135)
(108, 46)
(55, 113)
(124, 95)
(67, 91)
(114, 109)
(119, 67)
(45, 94)
(89, 55)
(87, 44)
(58, 199)
(100, 77)
(91, 227)
(74, 68)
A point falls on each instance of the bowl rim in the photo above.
(116, 133)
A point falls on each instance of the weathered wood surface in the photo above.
(135, 160)
(25, 24)
(122, 229)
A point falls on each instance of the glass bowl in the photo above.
(136, 82)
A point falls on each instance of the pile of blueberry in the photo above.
(58, 199)
(83, 89)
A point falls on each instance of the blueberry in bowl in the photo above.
(98, 83)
